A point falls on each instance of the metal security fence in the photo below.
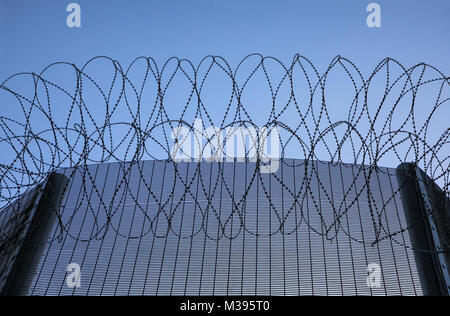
(125, 217)
(203, 229)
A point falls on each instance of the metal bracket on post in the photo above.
(34, 235)
(428, 205)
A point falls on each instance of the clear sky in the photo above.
(34, 34)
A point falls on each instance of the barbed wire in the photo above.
(127, 115)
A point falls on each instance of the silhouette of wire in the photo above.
(111, 114)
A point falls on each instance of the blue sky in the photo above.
(34, 34)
